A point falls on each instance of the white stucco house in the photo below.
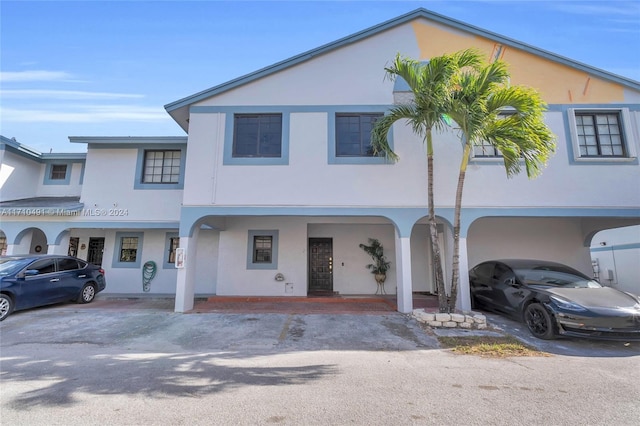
(273, 188)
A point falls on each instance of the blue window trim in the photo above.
(47, 173)
(118, 245)
(167, 244)
(274, 254)
(572, 139)
(331, 136)
(138, 184)
(286, 111)
(229, 160)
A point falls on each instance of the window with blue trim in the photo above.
(257, 135)
(128, 250)
(602, 135)
(160, 167)
(262, 249)
(57, 172)
(353, 134)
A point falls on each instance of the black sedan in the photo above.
(29, 281)
(554, 299)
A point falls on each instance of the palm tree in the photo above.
(510, 118)
(430, 84)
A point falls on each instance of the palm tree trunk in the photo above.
(433, 229)
(455, 275)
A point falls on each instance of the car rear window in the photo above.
(66, 264)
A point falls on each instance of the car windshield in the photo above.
(556, 277)
(12, 265)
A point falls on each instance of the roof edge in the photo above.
(128, 139)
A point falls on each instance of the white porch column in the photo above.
(185, 285)
(464, 292)
(12, 249)
(403, 274)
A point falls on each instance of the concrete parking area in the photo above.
(136, 362)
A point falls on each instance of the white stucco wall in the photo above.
(617, 253)
(318, 183)
(349, 261)
(109, 182)
(19, 177)
(555, 239)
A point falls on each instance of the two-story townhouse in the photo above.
(278, 162)
(276, 187)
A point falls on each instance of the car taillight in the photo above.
(101, 271)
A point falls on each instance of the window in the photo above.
(262, 246)
(127, 252)
(262, 250)
(172, 242)
(3, 245)
(67, 264)
(74, 242)
(128, 249)
(162, 166)
(600, 134)
(58, 172)
(257, 135)
(353, 134)
(44, 266)
(484, 149)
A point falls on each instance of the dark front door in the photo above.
(320, 265)
(96, 248)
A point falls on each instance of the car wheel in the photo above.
(539, 321)
(6, 306)
(87, 294)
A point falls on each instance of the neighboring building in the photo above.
(615, 255)
(274, 187)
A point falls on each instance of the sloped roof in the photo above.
(14, 146)
(179, 109)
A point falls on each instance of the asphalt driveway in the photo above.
(139, 363)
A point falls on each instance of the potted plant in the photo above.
(380, 264)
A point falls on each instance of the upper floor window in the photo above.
(257, 135)
(484, 149)
(353, 134)
(162, 166)
(58, 172)
(603, 135)
(600, 134)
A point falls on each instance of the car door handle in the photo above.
(54, 280)
(82, 276)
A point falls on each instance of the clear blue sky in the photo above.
(92, 68)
